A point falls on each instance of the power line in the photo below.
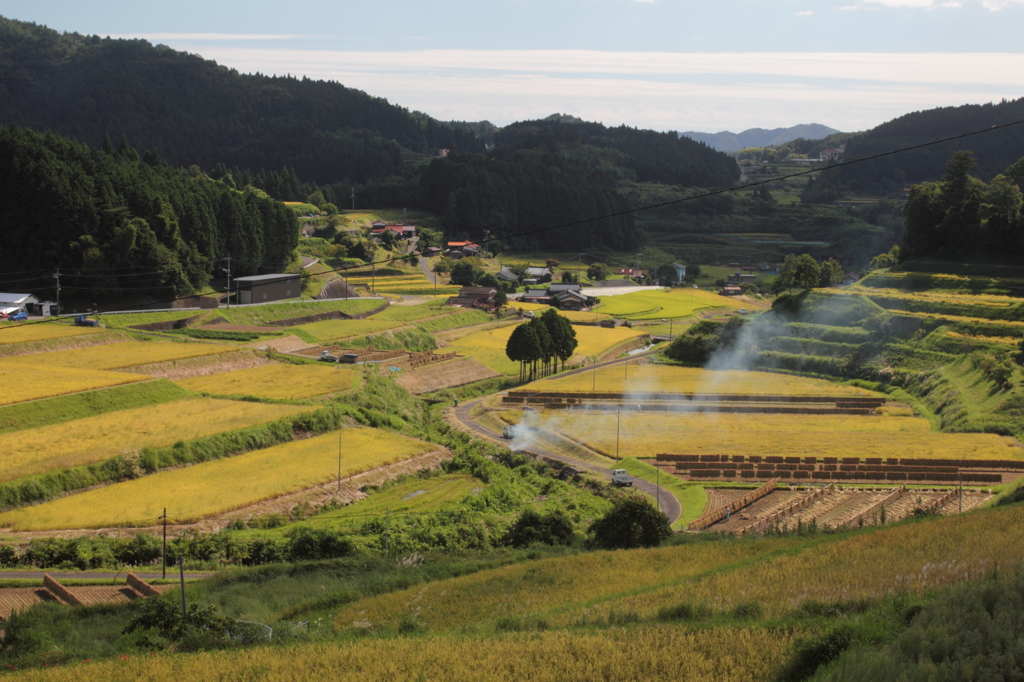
(661, 204)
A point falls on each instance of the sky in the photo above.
(703, 65)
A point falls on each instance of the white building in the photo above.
(12, 303)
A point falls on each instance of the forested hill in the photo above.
(993, 151)
(192, 111)
(120, 225)
(645, 155)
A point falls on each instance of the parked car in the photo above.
(743, 311)
(19, 316)
(528, 314)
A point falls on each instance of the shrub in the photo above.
(685, 611)
(633, 522)
(307, 544)
(533, 528)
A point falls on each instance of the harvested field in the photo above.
(124, 355)
(21, 333)
(239, 481)
(651, 378)
(282, 381)
(441, 375)
(93, 439)
(203, 365)
(284, 344)
(834, 507)
(24, 381)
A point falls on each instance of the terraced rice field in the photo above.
(663, 653)
(238, 481)
(940, 295)
(21, 333)
(489, 346)
(21, 381)
(409, 313)
(128, 354)
(329, 330)
(419, 495)
(779, 573)
(669, 303)
(650, 378)
(648, 434)
(286, 382)
(1008, 340)
(94, 439)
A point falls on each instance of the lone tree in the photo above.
(798, 271)
(632, 523)
(532, 528)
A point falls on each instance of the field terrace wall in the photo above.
(718, 514)
(166, 326)
(797, 505)
(846, 469)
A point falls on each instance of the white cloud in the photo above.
(993, 5)
(805, 13)
(695, 91)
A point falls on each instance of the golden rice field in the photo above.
(941, 295)
(285, 382)
(960, 318)
(1009, 340)
(650, 378)
(668, 303)
(127, 354)
(93, 439)
(779, 573)
(792, 435)
(203, 490)
(552, 585)
(650, 653)
(21, 381)
(519, 305)
(581, 316)
(911, 558)
(21, 333)
(488, 346)
(327, 330)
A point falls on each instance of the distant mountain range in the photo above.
(759, 137)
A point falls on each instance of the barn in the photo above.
(266, 288)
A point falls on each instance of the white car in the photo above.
(528, 314)
(743, 311)
(620, 477)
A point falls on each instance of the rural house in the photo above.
(13, 303)
(743, 278)
(481, 298)
(266, 288)
(507, 275)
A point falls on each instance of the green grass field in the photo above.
(671, 303)
(330, 330)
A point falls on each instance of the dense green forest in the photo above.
(641, 155)
(994, 151)
(192, 111)
(119, 224)
(962, 215)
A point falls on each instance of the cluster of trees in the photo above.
(961, 214)
(702, 339)
(193, 111)
(540, 343)
(804, 272)
(115, 223)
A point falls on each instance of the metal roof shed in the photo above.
(266, 288)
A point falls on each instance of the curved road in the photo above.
(669, 504)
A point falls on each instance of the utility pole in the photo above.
(339, 462)
(228, 287)
(961, 490)
(56, 276)
(181, 574)
(164, 553)
(387, 531)
(618, 423)
(658, 479)
(353, 198)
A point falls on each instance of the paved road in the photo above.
(669, 504)
(172, 573)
